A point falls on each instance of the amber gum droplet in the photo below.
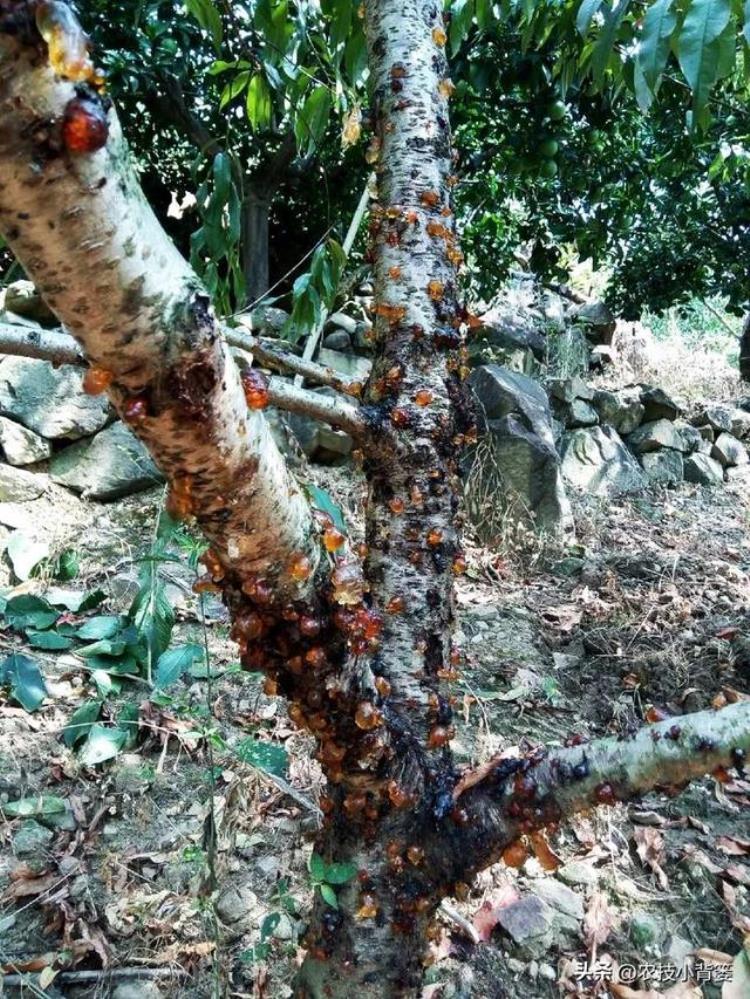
(395, 605)
(368, 908)
(398, 796)
(255, 387)
(446, 88)
(382, 686)
(435, 289)
(270, 687)
(394, 273)
(300, 567)
(367, 716)
(423, 397)
(434, 537)
(429, 198)
(97, 380)
(415, 855)
(396, 505)
(440, 735)
(333, 539)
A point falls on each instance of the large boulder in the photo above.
(598, 322)
(622, 410)
(18, 486)
(703, 470)
(663, 468)
(21, 446)
(728, 451)
(652, 436)
(658, 405)
(114, 463)
(50, 401)
(597, 461)
(504, 337)
(514, 412)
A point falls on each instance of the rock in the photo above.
(355, 369)
(652, 436)
(707, 432)
(597, 461)
(690, 437)
(622, 410)
(728, 451)
(320, 442)
(114, 463)
(559, 896)
(663, 468)
(235, 903)
(506, 339)
(22, 299)
(338, 340)
(21, 446)
(568, 389)
(340, 321)
(140, 989)
(739, 473)
(718, 417)
(703, 470)
(31, 838)
(598, 321)
(17, 486)
(658, 405)
(578, 872)
(740, 423)
(528, 922)
(522, 464)
(577, 413)
(50, 401)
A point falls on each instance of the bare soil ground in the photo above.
(646, 612)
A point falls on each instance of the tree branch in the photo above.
(272, 355)
(73, 214)
(507, 798)
(61, 348)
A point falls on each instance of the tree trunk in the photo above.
(362, 651)
(744, 362)
(255, 217)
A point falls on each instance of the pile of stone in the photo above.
(621, 441)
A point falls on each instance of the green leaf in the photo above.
(258, 102)
(266, 756)
(605, 43)
(653, 51)
(222, 170)
(66, 565)
(124, 665)
(102, 744)
(80, 722)
(329, 896)
(697, 52)
(28, 611)
(128, 720)
(25, 554)
(23, 676)
(268, 925)
(339, 874)
(317, 867)
(74, 600)
(174, 662)
(152, 615)
(323, 501)
(746, 27)
(585, 15)
(312, 119)
(208, 17)
(104, 683)
(44, 804)
(51, 641)
(99, 627)
(105, 647)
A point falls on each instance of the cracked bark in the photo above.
(364, 658)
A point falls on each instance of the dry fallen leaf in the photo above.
(599, 920)
(732, 845)
(650, 846)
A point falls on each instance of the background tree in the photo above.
(359, 642)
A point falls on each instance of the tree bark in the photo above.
(364, 657)
(255, 218)
(744, 361)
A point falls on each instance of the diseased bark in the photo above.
(364, 658)
(80, 226)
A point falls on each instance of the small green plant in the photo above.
(326, 877)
